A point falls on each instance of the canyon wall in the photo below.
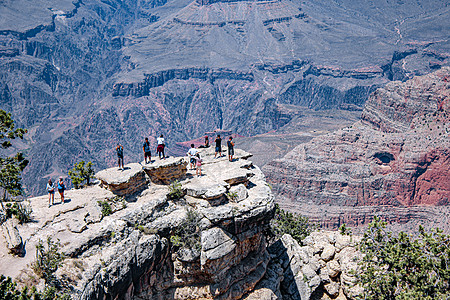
(82, 76)
(394, 162)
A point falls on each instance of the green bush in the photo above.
(48, 259)
(402, 267)
(21, 211)
(175, 191)
(106, 207)
(232, 196)
(81, 173)
(9, 291)
(187, 234)
(285, 222)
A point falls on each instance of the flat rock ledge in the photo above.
(124, 182)
(167, 170)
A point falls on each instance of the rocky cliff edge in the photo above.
(129, 252)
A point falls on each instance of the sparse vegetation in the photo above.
(48, 258)
(187, 234)
(21, 211)
(344, 230)
(9, 291)
(106, 207)
(402, 267)
(82, 172)
(296, 225)
(232, 196)
(175, 191)
(146, 230)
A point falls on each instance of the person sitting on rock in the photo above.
(206, 145)
(119, 150)
(191, 153)
(198, 163)
(51, 193)
(230, 145)
(147, 152)
(160, 147)
(218, 141)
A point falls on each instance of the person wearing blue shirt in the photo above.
(147, 152)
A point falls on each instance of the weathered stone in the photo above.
(239, 193)
(167, 170)
(332, 288)
(12, 236)
(128, 181)
(333, 268)
(327, 252)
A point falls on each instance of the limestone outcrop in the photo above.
(141, 248)
(324, 268)
(126, 181)
(396, 159)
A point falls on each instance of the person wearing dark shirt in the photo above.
(147, 152)
(119, 150)
(218, 141)
(230, 145)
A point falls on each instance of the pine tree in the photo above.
(11, 167)
(80, 173)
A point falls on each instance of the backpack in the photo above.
(120, 151)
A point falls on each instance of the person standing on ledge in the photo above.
(191, 153)
(51, 193)
(119, 150)
(61, 189)
(230, 145)
(160, 147)
(147, 152)
(218, 141)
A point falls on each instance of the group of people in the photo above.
(147, 152)
(195, 159)
(51, 187)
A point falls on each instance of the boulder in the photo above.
(166, 170)
(124, 182)
(12, 237)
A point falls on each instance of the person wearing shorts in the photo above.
(147, 152)
(218, 149)
(119, 150)
(230, 145)
(61, 189)
(51, 193)
(160, 147)
(198, 165)
(192, 156)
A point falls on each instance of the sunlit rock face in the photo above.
(394, 162)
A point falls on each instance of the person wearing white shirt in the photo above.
(191, 153)
(160, 147)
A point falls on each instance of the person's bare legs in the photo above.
(62, 196)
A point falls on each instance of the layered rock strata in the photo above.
(397, 156)
(131, 253)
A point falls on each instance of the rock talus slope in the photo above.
(394, 162)
(130, 253)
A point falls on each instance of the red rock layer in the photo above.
(397, 155)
